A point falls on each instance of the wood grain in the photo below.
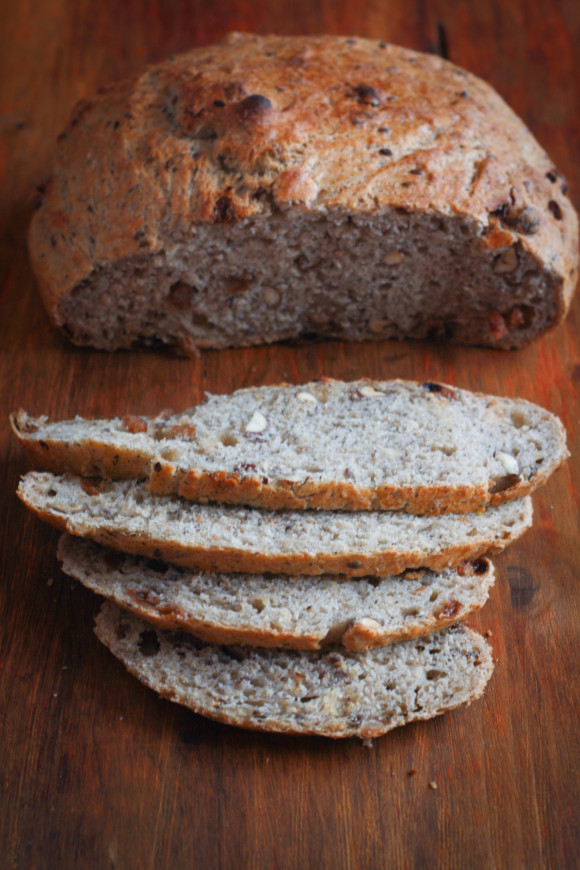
(95, 770)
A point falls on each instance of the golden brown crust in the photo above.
(279, 495)
(228, 560)
(178, 621)
(87, 461)
(223, 487)
(360, 637)
(302, 122)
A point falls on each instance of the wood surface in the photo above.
(95, 770)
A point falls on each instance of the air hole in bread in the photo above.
(121, 630)
(148, 643)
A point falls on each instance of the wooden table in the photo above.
(95, 770)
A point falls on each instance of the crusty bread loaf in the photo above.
(271, 187)
(426, 448)
(223, 538)
(291, 612)
(333, 693)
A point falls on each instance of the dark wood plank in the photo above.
(96, 771)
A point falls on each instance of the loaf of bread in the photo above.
(425, 448)
(124, 515)
(269, 188)
(332, 693)
(269, 610)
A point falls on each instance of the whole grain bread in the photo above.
(269, 187)
(332, 693)
(124, 515)
(290, 612)
(424, 448)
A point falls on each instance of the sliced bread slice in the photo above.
(332, 693)
(424, 448)
(225, 538)
(292, 612)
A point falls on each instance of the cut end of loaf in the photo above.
(398, 275)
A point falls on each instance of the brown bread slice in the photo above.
(424, 448)
(333, 693)
(268, 610)
(225, 538)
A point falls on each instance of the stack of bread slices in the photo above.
(297, 558)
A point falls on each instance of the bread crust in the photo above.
(355, 637)
(298, 120)
(230, 488)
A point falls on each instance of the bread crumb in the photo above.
(368, 743)
(433, 785)
(488, 633)
(50, 581)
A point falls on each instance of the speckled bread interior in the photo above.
(124, 515)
